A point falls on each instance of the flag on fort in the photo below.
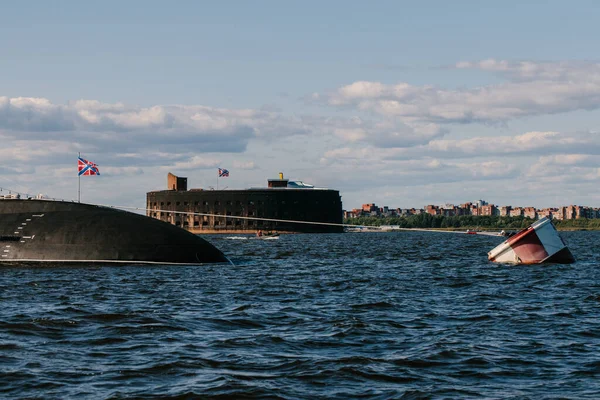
(86, 167)
(223, 173)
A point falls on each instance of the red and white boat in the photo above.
(540, 243)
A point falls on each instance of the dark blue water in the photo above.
(371, 315)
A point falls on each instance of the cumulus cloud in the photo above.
(573, 160)
(124, 171)
(170, 136)
(528, 70)
(376, 173)
(38, 114)
(558, 145)
(101, 126)
(193, 163)
(529, 160)
(246, 165)
(104, 128)
(507, 169)
(526, 144)
(530, 89)
(566, 168)
(129, 127)
(387, 133)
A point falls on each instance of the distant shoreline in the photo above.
(474, 230)
(471, 222)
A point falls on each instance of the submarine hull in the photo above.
(54, 232)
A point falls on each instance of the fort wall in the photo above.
(308, 205)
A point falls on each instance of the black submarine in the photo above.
(49, 232)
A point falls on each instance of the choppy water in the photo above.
(376, 315)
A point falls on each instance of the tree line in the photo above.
(467, 222)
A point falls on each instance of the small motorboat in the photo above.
(266, 236)
(537, 244)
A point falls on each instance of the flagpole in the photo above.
(78, 181)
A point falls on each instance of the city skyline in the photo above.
(395, 102)
(478, 208)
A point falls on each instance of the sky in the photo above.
(396, 103)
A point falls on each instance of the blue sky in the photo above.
(398, 103)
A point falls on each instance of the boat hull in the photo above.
(539, 243)
(54, 232)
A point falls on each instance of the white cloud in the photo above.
(532, 89)
(528, 70)
(41, 115)
(387, 133)
(195, 162)
(527, 144)
(245, 165)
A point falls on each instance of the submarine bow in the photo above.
(48, 231)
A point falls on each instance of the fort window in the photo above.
(196, 203)
(178, 203)
(196, 223)
(168, 203)
(204, 223)
(238, 222)
(229, 222)
(177, 223)
(185, 203)
(205, 203)
(217, 202)
(228, 202)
